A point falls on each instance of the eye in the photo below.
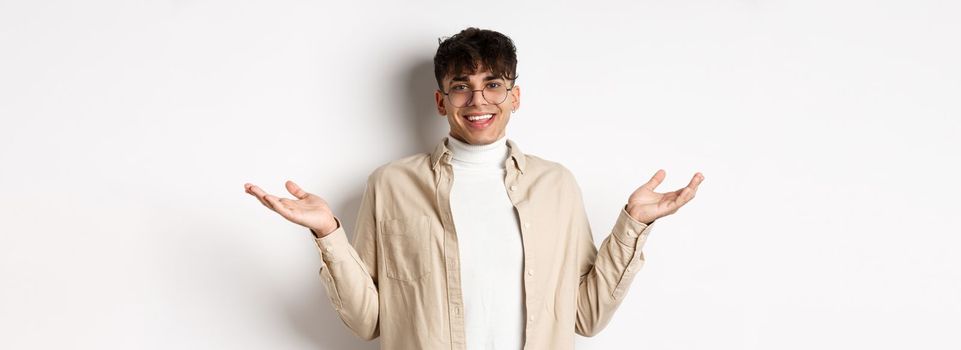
(493, 85)
(460, 87)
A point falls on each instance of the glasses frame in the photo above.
(471, 99)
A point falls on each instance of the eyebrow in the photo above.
(463, 78)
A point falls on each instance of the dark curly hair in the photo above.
(461, 53)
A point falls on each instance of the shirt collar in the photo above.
(441, 151)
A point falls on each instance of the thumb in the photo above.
(296, 190)
(655, 180)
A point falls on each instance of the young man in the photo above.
(477, 245)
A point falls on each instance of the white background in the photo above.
(827, 132)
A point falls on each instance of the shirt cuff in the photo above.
(629, 231)
(316, 235)
(332, 247)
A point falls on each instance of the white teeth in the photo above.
(480, 117)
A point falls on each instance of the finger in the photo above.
(261, 195)
(256, 190)
(274, 203)
(692, 186)
(685, 195)
(668, 199)
(250, 191)
(296, 190)
(655, 180)
(696, 180)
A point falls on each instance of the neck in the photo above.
(493, 154)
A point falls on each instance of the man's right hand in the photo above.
(308, 210)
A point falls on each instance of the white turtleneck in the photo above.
(491, 250)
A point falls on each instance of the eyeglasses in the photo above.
(460, 95)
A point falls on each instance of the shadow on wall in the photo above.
(310, 313)
(313, 316)
(428, 127)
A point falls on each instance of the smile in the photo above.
(480, 121)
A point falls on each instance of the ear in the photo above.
(516, 92)
(439, 102)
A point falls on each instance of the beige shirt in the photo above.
(400, 279)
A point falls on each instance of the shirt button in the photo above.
(530, 272)
(513, 188)
(631, 233)
(531, 318)
(527, 225)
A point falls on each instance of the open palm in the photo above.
(645, 205)
(307, 210)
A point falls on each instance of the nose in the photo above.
(474, 100)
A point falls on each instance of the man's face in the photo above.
(479, 132)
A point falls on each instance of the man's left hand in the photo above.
(645, 205)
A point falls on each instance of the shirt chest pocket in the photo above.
(405, 243)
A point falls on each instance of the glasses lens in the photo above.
(460, 98)
(495, 95)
